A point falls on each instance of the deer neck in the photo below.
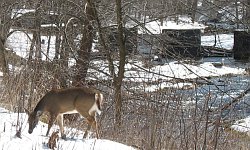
(39, 109)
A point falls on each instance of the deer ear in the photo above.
(26, 111)
(39, 113)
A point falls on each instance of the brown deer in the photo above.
(85, 101)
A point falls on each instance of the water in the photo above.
(222, 91)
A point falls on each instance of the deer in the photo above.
(57, 102)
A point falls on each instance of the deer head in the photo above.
(33, 119)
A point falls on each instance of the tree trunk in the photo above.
(38, 54)
(248, 13)
(57, 46)
(48, 48)
(36, 41)
(122, 55)
(5, 21)
(63, 63)
(3, 63)
(82, 62)
(194, 9)
(237, 14)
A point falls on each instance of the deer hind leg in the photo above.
(60, 123)
(91, 120)
(86, 132)
(51, 122)
(95, 127)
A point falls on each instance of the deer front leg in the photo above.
(60, 123)
(51, 122)
(91, 123)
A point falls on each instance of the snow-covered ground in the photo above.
(37, 140)
(155, 27)
(20, 43)
(242, 125)
(205, 67)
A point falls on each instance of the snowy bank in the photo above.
(37, 140)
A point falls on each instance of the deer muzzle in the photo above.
(30, 131)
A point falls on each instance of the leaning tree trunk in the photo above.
(117, 78)
(82, 62)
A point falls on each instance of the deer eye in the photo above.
(35, 122)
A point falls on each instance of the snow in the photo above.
(155, 27)
(172, 69)
(20, 41)
(182, 25)
(222, 40)
(19, 12)
(37, 140)
(242, 125)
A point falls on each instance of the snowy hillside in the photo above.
(37, 140)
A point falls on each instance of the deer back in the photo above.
(71, 100)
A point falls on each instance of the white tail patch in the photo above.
(99, 100)
(97, 105)
(99, 97)
(94, 109)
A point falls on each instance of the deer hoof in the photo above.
(64, 136)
